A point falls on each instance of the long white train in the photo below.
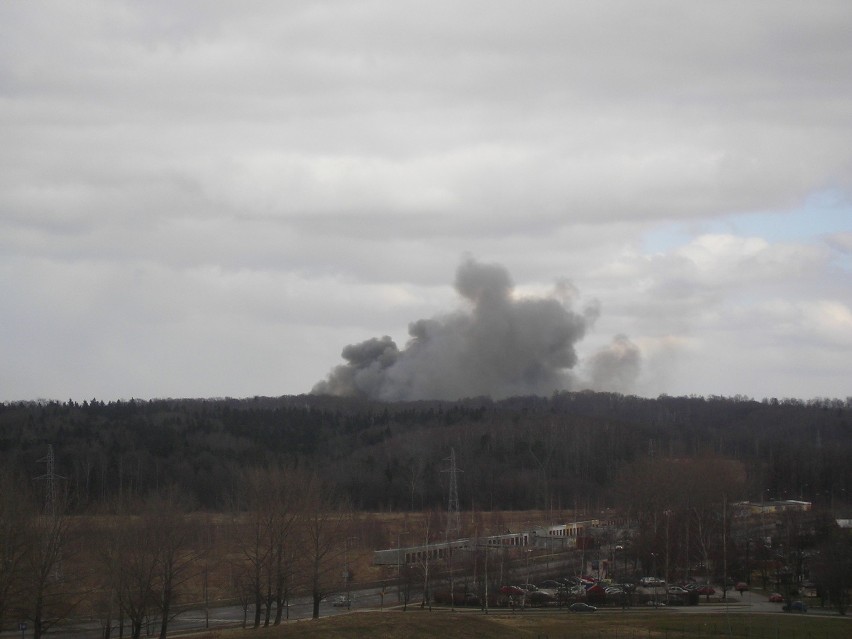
(555, 537)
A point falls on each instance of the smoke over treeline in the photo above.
(499, 346)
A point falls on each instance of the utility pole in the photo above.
(50, 506)
(725, 547)
(398, 564)
(453, 514)
(346, 573)
(453, 521)
(50, 477)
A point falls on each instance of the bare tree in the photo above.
(15, 512)
(108, 544)
(833, 569)
(272, 501)
(138, 565)
(255, 553)
(324, 527)
(425, 557)
(285, 503)
(242, 587)
(46, 595)
(178, 553)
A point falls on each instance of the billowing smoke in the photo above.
(500, 346)
(616, 367)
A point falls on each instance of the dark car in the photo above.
(581, 607)
(795, 606)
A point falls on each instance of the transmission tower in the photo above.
(50, 478)
(53, 538)
(453, 515)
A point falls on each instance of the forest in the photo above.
(563, 451)
(126, 511)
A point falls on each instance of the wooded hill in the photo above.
(566, 451)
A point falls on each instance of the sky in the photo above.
(215, 199)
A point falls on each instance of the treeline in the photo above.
(566, 451)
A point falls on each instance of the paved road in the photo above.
(218, 617)
(748, 602)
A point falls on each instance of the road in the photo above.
(217, 617)
(300, 608)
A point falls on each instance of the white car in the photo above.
(652, 581)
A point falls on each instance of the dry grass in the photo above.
(443, 624)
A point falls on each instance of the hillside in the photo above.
(566, 451)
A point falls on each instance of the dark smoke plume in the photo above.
(501, 347)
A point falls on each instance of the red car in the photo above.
(776, 597)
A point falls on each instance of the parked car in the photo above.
(652, 581)
(549, 584)
(341, 602)
(706, 589)
(513, 591)
(795, 606)
(776, 597)
(581, 607)
(677, 590)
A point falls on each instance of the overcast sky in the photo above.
(206, 199)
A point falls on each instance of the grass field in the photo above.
(443, 624)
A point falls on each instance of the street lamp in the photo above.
(748, 564)
(487, 547)
(654, 573)
(398, 562)
(619, 550)
(346, 574)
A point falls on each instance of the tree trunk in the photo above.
(258, 604)
(268, 612)
(166, 610)
(37, 619)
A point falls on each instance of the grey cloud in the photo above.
(227, 168)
